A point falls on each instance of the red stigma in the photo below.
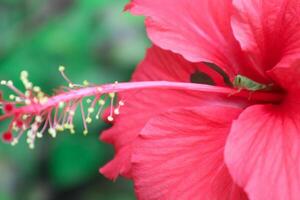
(8, 107)
(7, 136)
(19, 123)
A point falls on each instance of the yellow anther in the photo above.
(27, 93)
(121, 103)
(71, 85)
(85, 83)
(61, 68)
(12, 97)
(117, 111)
(40, 95)
(27, 102)
(29, 134)
(14, 142)
(101, 102)
(18, 99)
(36, 89)
(52, 132)
(91, 110)
(3, 82)
(66, 126)
(28, 85)
(39, 135)
(10, 83)
(24, 74)
(72, 112)
(31, 146)
(43, 100)
(24, 117)
(34, 127)
(59, 128)
(89, 101)
(15, 128)
(88, 120)
(29, 140)
(85, 132)
(71, 126)
(38, 119)
(112, 95)
(61, 104)
(110, 118)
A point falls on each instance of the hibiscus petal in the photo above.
(179, 156)
(199, 30)
(140, 106)
(262, 152)
(169, 66)
(268, 31)
(287, 76)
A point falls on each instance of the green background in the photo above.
(96, 41)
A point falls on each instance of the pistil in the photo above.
(57, 112)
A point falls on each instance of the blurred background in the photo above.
(96, 41)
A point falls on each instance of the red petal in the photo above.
(172, 67)
(199, 30)
(269, 31)
(142, 105)
(180, 156)
(287, 76)
(262, 152)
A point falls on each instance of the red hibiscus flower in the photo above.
(181, 134)
(183, 151)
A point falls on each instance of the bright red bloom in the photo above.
(177, 150)
(183, 140)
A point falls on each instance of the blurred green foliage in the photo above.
(96, 41)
